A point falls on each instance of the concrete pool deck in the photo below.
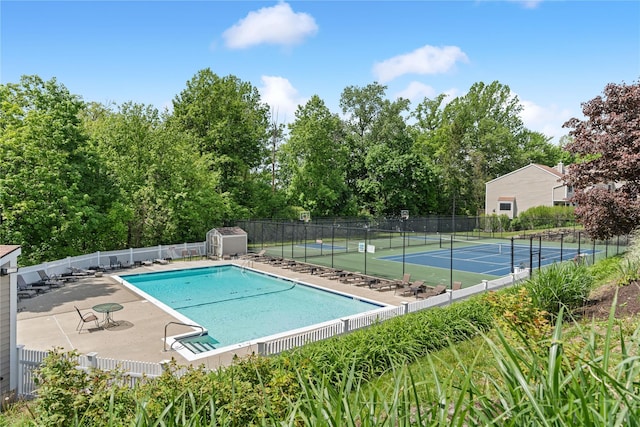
(49, 320)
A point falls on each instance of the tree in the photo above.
(52, 191)
(314, 160)
(230, 123)
(165, 191)
(606, 176)
(475, 138)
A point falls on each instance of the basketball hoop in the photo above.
(305, 216)
(404, 214)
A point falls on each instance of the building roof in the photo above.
(552, 170)
(7, 249)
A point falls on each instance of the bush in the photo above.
(560, 285)
(399, 340)
(539, 217)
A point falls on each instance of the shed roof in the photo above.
(231, 231)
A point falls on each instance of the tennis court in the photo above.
(494, 259)
(321, 246)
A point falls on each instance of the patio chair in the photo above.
(46, 280)
(414, 288)
(24, 290)
(432, 292)
(114, 263)
(254, 255)
(38, 287)
(77, 271)
(404, 283)
(86, 318)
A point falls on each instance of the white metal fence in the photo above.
(358, 321)
(133, 372)
(101, 260)
(30, 360)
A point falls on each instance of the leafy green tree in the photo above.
(166, 191)
(475, 138)
(605, 177)
(313, 161)
(52, 191)
(230, 123)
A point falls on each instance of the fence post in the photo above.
(485, 283)
(513, 278)
(345, 325)
(164, 364)
(261, 348)
(405, 307)
(19, 370)
(93, 359)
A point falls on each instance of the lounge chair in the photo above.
(432, 292)
(255, 255)
(24, 290)
(382, 285)
(404, 283)
(414, 288)
(114, 263)
(77, 271)
(39, 288)
(86, 318)
(46, 280)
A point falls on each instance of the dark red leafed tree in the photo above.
(606, 175)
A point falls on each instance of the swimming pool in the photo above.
(237, 304)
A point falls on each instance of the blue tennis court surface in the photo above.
(480, 259)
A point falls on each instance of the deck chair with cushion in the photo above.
(38, 287)
(46, 280)
(432, 292)
(86, 318)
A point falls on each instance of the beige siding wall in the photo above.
(530, 186)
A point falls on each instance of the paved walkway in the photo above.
(49, 320)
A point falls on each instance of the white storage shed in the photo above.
(226, 242)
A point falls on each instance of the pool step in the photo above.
(199, 344)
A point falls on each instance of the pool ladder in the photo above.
(181, 324)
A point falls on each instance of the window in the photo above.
(505, 206)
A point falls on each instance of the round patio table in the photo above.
(107, 309)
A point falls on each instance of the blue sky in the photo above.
(553, 55)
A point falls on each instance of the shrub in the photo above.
(560, 285)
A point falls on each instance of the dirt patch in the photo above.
(599, 304)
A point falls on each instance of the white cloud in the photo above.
(416, 92)
(545, 119)
(528, 4)
(281, 96)
(424, 60)
(272, 25)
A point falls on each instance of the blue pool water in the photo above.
(237, 305)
